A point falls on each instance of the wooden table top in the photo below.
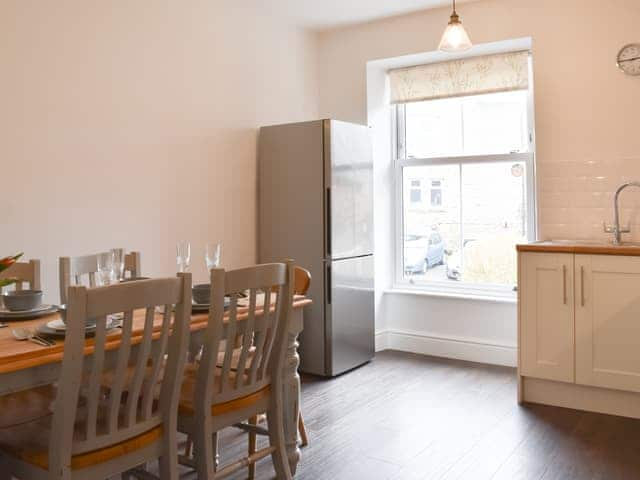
(18, 355)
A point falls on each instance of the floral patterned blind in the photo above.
(469, 76)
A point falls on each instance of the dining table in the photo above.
(25, 365)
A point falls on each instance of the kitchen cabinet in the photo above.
(607, 321)
(579, 326)
(547, 316)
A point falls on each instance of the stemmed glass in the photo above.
(118, 263)
(105, 268)
(183, 256)
(212, 255)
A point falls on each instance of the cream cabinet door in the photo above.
(546, 316)
(608, 321)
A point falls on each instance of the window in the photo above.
(474, 155)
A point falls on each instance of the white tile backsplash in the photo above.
(575, 197)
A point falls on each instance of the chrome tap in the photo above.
(615, 228)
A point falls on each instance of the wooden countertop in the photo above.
(18, 355)
(581, 247)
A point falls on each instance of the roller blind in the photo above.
(456, 78)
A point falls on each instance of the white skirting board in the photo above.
(469, 349)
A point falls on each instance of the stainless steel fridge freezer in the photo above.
(315, 205)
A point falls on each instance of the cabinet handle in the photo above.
(582, 286)
(564, 284)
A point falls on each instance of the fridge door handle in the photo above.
(328, 219)
(328, 284)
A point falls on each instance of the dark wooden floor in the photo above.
(410, 417)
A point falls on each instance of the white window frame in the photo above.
(400, 161)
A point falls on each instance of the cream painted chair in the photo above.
(215, 395)
(25, 272)
(97, 435)
(302, 283)
(73, 271)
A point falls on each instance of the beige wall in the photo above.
(133, 123)
(587, 112)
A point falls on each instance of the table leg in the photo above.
(291, 397)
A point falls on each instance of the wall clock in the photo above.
(629, 59)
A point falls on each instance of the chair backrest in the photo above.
(149, 356)
(132, 265)
(25, 272)
(302, 280)
(260, 332)
(74, 270)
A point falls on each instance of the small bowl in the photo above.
(201, 293)
(18, 301)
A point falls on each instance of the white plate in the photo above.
(36, 312)
(60, 326)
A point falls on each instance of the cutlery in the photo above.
(26, 334)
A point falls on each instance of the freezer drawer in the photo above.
(350, 314)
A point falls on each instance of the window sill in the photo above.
(424, 292)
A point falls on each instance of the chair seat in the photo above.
(26, 406)
(188, 390)
(28, 440)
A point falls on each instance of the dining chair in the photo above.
(74, 270)
(249, 379)
(301, 287)
(25, 272)
(88, 434)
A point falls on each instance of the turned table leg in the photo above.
(292, 391)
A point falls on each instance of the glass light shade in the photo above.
(455, 38)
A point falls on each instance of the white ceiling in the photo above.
(323, 14)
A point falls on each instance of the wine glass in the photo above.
(183, 256)
(118, 263)
(212, 255)
(105, 268)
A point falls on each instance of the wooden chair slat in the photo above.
(156, 364)
(95, 379)
(120, 374)
(230, 338)
(144, 351)
(247, 339)
(269, 316)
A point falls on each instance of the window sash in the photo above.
(451, 287)
(400, 136)
(401, 161)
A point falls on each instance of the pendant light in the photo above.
(455, 38)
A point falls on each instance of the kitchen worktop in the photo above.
(588, 247)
